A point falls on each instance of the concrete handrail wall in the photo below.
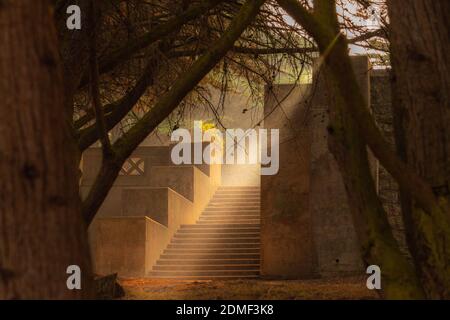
(188, 181)
(144, 208)
(162, 205)
(128, 246)
(142, 174)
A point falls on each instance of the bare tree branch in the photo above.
(121, 55)
(168, 102)
(94, 83)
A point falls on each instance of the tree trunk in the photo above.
(348, 112)
(41, 228)
(420, 53)
(377, 243)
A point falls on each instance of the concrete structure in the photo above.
(148, 167)
(388, 191)
(146, 206)
(223, 244)
(239, 111)
(128, 246)
(193, 221)
(307, 229)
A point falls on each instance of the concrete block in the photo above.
(162, 205)
(178, 178)
(188, 181)
(126, 245)
(286, 230)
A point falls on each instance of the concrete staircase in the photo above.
(223, 244)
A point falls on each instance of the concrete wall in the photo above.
(118, 242)
(336, 244)
(241, 175)
(239, 111)
(143, 211)
(128, 246)
(185, 179)
(307, 230)
(162, 205)
(112, 206)
(286, 230)
(388, 191)
(188, 181)
(131, 244)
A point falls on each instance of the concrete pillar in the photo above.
(307, 229)
(287, 247)
(336, 245)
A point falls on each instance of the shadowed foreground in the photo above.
(158, 289)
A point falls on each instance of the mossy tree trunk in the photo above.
(377, 244)
(420, 54)
(351, 129)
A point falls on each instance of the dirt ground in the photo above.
(156, 289)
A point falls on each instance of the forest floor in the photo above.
(347, 288)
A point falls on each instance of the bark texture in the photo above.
(351, 129)
(420, 53)
(41, 228)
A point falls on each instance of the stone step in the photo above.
(223, 244)
(239, 187)
(215, 240)
(198, 261)
(237, 192)
(233, 208)
(200, 235)
(206, 267)
(206, 273)
(203, 278)
(236, 200)
(214, 246)
(219, 250)
(214, 223)
(228, 221)
(234, 212)
(228, 199)
(233, 203)
(221, 226)
(212, 258)
(237, 197)
(229, 213)
(219, 230)
(224, 218)
(229, 216)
